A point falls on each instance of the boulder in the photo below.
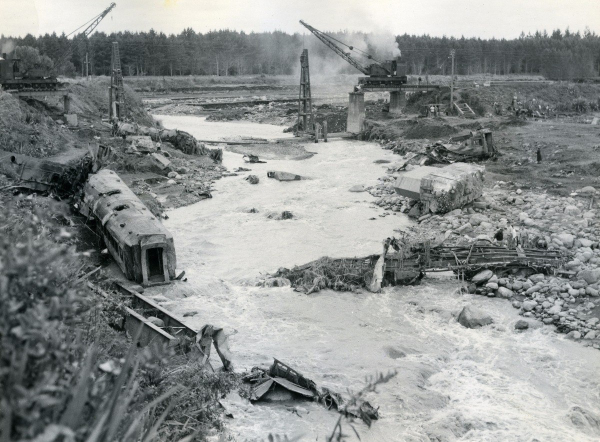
(590, 335)
(471, 317)
(521, 324)
(590, 291)
(482, 277)
(71, 120)
(572, 210)
(537, 277)
(590, 276)
(555, 310)
(529, 305)
(477, 218)
(492, 286)
(574, 335)
(566, 239)
(465, 228)
(252, 179)
(357, 188)
(503, 292)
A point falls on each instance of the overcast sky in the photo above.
(491, 18)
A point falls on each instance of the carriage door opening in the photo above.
(154, 261)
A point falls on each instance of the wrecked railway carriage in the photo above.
(138, 242)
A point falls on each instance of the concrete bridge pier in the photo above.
(397, 102)
(356, 112)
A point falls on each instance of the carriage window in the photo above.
(154, 261)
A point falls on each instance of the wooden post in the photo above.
(452, 54)
(317, 127)
(110, 104)
(66, 103)
(325, 131)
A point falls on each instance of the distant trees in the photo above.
(558, 55)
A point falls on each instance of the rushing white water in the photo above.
(453, 383)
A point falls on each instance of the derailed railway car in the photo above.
(139, 243)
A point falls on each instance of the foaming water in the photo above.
(453, 383)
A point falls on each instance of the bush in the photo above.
(39, 312)
(54, 334)
(33, 63)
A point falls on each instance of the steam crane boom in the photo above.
(380, 75)
(335, 48)
(97, 20)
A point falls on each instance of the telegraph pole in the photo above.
(87, 73)
(452, 54)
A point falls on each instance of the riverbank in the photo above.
(87, 367)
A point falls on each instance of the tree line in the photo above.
(558, 55)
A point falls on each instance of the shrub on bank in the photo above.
(65, 374)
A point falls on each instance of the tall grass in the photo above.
(65, 374)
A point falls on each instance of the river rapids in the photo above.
(453, 383)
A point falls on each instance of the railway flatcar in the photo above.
(139, 243)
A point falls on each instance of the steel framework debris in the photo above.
(408, 263)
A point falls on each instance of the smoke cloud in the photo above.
(7, 47)
(324, 62)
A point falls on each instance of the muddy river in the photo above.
(453, 383)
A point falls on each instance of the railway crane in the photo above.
(11, 78)
(379, 75)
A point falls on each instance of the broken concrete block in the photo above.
(160, 161)
(142, 142)
(71, 120)
(442, 189)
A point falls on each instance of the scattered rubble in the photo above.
(181, 140)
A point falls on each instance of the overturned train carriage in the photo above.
(138, 242)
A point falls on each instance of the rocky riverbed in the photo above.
(569, 300)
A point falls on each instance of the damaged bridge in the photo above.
(407, 263)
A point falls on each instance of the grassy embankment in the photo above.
(66, 370)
